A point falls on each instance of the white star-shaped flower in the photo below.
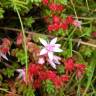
(50, 48)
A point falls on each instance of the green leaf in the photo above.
(25, 90)
(86, 51)
(60, 69)
(48, 87)
(21, 56)
(34, 1)
(87, 31)
(60, 32)
(66, 53)
(36, 37)
(28, 91)
(90, 74)
(64, 2)
(1, 13)
(1, 78)
(28, 22)
(10, 71)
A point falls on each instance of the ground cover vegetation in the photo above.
(47, 47)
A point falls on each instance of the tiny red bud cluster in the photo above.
(56, 7)
(80, 69)
(6, 43)
(37, 73)
(69, 20)
(71, 66)
(94, 34)
(56, 19)
(45, 2)
(60, 23)
(19, 39)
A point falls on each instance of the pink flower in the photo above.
(41, 60)
(54, 61)
(50, 48)
(3, 56)
(77, 23)
(22, 74)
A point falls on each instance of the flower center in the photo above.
(50, 47)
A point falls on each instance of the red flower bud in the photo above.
(45, 2)
(69, 20)
(56, 19)
(69, 64)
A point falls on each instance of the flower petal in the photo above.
(43, 51)
(19, 70)
(52, 63)
(41, 61)
(56, 49)
(57, 45)
(50, 55)
(43, 41)
(77, 23)
(20, 76)
(4, 56)
(21, 73)
(53, 41)
(56, 59)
